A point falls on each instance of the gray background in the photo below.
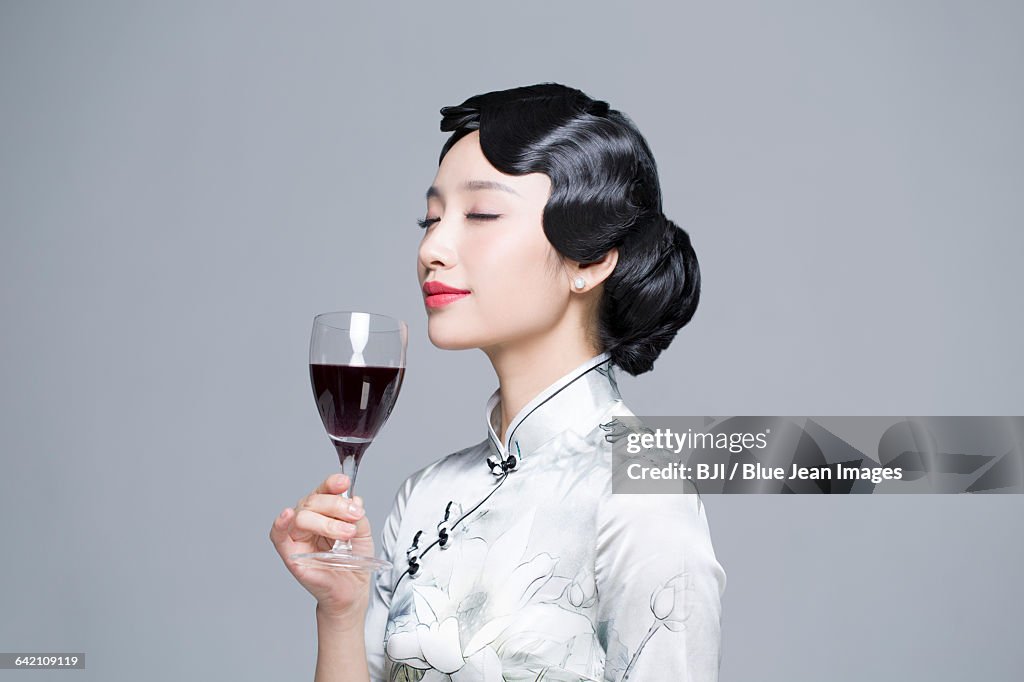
(184, 185)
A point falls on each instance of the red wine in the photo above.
(354, 402)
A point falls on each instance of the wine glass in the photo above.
(356, 366)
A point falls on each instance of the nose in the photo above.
(437, 250)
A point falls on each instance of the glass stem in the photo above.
(347, 455)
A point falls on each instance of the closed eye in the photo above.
(427, 222)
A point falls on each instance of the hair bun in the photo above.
(654, 244)
(655, 298)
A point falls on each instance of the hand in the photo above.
(317, 520)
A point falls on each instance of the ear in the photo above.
(592, 274)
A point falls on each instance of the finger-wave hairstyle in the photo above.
(605, 193)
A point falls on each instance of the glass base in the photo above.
(341, 561)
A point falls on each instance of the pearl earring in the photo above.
(580, 282)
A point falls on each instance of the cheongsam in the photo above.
(513, 560)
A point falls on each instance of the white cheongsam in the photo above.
(514, 561)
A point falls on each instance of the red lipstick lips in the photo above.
(439, 295)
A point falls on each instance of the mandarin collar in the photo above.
(571, 402)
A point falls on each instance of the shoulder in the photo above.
(623, 494)
(445, 469)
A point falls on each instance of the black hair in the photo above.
(605, 193)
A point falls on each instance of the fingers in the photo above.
(279, 528)
(331, 516)
(335, 506)
(324, 512)
(308, 523)
(335, 483)
(362, 525)
(279, 533)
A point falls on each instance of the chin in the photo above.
(450, 337)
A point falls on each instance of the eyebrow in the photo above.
(475, 185)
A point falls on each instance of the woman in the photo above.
(545, 246)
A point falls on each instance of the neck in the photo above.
(526, 368)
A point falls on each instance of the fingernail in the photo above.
(284, 513)
(340, 479)
(355, 509)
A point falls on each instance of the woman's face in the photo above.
(484, 236)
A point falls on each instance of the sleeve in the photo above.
(381, 586)
(659, 588)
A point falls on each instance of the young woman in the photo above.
(545, 246)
